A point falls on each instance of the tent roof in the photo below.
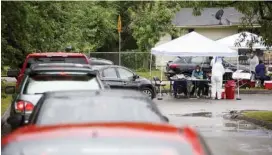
(193, 44)
(242, 40)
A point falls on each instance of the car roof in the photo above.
(50, 54)
(64, 67)
(57, 65)
(100, 67)
(107, 92)
(32, 132)
(95, 61)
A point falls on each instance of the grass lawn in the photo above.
(5, 103)
(153, 73)
(260, 115)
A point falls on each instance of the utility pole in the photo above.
(119, 32)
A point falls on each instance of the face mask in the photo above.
(197, 70)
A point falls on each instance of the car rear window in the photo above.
(81, 109)
(57, 81)
(182, 60)
(122, 145)
(54, 59)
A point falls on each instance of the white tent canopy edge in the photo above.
(193, 44)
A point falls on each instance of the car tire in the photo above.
(148, 91)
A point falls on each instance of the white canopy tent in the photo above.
(193, 44)
(242, 41)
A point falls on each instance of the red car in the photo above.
(105, 138)
(53, 57)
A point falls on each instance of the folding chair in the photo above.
(159, 84)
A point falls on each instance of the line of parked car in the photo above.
(65, 103)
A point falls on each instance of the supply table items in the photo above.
(181, 77)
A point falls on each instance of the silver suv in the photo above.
(42, 78)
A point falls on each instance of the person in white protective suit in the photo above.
(218, 71)
(253, 62)
(212, 61)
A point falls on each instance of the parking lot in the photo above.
(211, 118)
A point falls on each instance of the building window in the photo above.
(191, 30)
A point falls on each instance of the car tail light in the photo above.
(173, 66)
(24, 105)
(62, 74)
(192, 137)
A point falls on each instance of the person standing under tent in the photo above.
(212, 61)
(253, 62)
(218, 71)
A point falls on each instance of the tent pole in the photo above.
(238, 89)
(160, 97)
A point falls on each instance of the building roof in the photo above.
(185, 17)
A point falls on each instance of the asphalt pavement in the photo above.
(211, 118)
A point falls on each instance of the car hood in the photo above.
(144, 80)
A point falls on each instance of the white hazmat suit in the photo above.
(253, 62)
(218, 71)
(213, 60)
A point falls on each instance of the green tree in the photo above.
(256, 12)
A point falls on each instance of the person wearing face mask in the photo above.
(218, 71)
(198, 74)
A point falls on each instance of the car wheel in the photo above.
(148, 92)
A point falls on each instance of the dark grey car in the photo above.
(72, 107)
(119, 77)
(54, 77)
(98, 61)
(185, 65)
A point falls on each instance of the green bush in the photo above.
(3, 85)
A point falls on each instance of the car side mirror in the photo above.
(15, 121)
(135, 76)
(165, 118)
(10, 90)
(13, 72)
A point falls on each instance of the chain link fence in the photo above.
(138, 61)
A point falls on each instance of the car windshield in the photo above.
(77, 60)
(105, 145)
(56, 81)
(67, 109)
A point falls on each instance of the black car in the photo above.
(72, 107)
(50, 77)
(99, 61)
(118, 77)
(186, 65)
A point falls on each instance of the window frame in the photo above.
(119, 75)
(103, 73)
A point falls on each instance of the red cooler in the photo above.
(268, 85)
(230, 89)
